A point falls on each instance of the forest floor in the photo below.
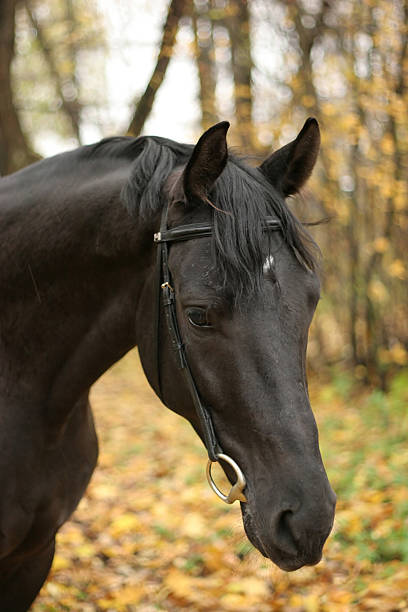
(150, 535)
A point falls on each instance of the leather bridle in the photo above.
(166, 301)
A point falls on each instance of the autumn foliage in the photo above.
(150, 535)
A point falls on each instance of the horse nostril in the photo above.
(285, 538)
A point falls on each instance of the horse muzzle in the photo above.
(291, 539)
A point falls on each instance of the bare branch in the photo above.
(145, 103)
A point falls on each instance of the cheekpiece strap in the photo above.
(166, 297)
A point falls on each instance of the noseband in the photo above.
(166, 301)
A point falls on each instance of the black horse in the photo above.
(79, 277)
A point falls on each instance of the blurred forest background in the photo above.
(74, 71)
(266, 66)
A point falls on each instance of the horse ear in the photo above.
(289, 168)
(206, 163)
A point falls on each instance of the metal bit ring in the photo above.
(236, 492)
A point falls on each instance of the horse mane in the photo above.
(243, 196)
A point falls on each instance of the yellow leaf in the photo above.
(398, 354)
(296, 601)
(352, 523)
(53, 589)
(124, 524)
(387, 145)
(128, 596)
(308, 101)
(85, 551)
(381, 244)
(328, 109)
(182, 585)
(377, 291)
(234, 601)
(311, 603)
(397, 269)
(214, 557)
(104, 603)
(60, 563)
(194, 526)
(249, 586)
(341, 597)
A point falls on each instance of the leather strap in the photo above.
(166, 299)
(201, 230)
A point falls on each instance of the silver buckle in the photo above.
(236, 492)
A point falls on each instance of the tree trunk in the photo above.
(204, 53)
(239, 33)
(145, 103)
(14, 150)
(71, 108)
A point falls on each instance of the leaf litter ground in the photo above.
(150, 535)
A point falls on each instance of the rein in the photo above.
(166, 302)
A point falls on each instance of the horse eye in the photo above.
(198, 317)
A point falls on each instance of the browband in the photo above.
(202, 230)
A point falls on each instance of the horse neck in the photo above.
(78, 266)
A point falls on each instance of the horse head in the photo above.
(243, 302)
